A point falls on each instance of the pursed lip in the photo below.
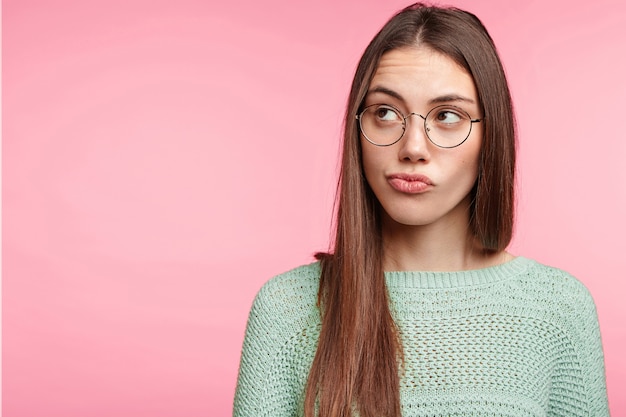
(410, 183)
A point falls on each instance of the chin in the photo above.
(413, 219)
(426, 215)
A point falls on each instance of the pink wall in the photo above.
(161, 161)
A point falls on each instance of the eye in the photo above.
(449, 116)
(386, 114)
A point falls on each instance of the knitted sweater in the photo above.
(518, 339)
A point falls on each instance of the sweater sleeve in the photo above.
(592, 356)
(279, 343)
(580, 386)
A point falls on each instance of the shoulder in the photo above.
(297, 285)
(288, 297)
(556, 285)
(284, 313)
(302, 276)
(559, 297)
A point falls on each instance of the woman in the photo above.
(419, 310)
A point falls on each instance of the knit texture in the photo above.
(518, 339)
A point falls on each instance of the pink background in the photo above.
(162, 160)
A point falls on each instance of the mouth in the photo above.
(410, 183)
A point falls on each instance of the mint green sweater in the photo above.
(518, 339)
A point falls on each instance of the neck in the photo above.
(441, 246)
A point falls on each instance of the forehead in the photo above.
(421, 73)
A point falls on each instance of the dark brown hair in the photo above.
(359, 354)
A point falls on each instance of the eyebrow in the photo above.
(436, 100)
(450, 97)
(385, 90)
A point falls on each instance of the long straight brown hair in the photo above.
(359, 354)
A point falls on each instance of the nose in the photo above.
(415, 145)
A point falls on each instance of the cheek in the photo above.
(373, 161)
(472, 156)
(470, 162)
(470, 167)
(463, 168)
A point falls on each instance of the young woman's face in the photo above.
(416, 182)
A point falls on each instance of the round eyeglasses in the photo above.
(446, 126)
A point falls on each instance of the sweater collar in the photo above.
(475, 277)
